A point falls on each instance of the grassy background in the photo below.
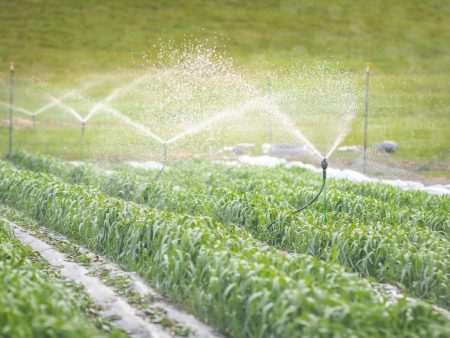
(61, 42)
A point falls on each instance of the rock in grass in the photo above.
(286, 149)
(387, 147)
(243, 148)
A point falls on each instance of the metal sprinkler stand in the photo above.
(83, 127)
(324, 166)
(164, 160)
(165, 148)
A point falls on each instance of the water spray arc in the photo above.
(114, 94)
(269, 103)
(16, 108)
(134, 124)
(53, 102)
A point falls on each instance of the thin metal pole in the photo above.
(11, 102)
(325, 203)
(366, 116)
(269, 114)
(165, 148)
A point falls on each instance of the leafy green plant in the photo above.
(390, 247)
(220, 273)
(37, 302)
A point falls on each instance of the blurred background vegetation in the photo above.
(62, 41)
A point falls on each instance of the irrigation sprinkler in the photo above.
(82, 132)
(11, 101)
(164, 160)
(324, 165)
(366, 116)
(83, 128)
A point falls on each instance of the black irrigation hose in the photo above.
(324, 165)
(315, 198)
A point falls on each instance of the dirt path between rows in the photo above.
(128, 317)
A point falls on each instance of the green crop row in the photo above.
(367, 209)
(34, 300)
(399, 253)
(220, 273)
(249, 178)
(432, 212)
(434, 215)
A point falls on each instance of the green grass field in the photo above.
(61, 44)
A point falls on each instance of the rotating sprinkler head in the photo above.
(324, 166)
(83, 124)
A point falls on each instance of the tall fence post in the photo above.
(269, 114)
(11, 102)
(366, 117)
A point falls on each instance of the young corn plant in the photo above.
(35, 301)
(220, 273)
(371, 248)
